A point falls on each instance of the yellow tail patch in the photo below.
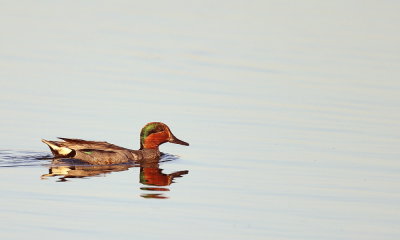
(57, 150)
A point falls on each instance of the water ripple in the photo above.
(12, 158)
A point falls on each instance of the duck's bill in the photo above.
(178, 141)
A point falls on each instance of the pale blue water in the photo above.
(291, 111)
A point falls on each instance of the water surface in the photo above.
(290, 109)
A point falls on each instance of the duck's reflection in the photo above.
(150, 175)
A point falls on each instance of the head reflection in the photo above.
(155, 180)
(151, 175)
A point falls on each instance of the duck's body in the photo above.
(98, 153)
(102, 153)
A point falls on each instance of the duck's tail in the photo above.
(58, 150)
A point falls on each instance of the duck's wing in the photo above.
(112, 155)
(70, 146)
(78, 144)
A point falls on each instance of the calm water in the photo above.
(291, 110)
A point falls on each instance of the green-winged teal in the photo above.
(100, 153)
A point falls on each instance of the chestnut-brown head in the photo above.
(156, 133)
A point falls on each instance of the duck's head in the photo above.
(156, 133)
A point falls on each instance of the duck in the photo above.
(152, 135)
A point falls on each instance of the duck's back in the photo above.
(78, 144)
